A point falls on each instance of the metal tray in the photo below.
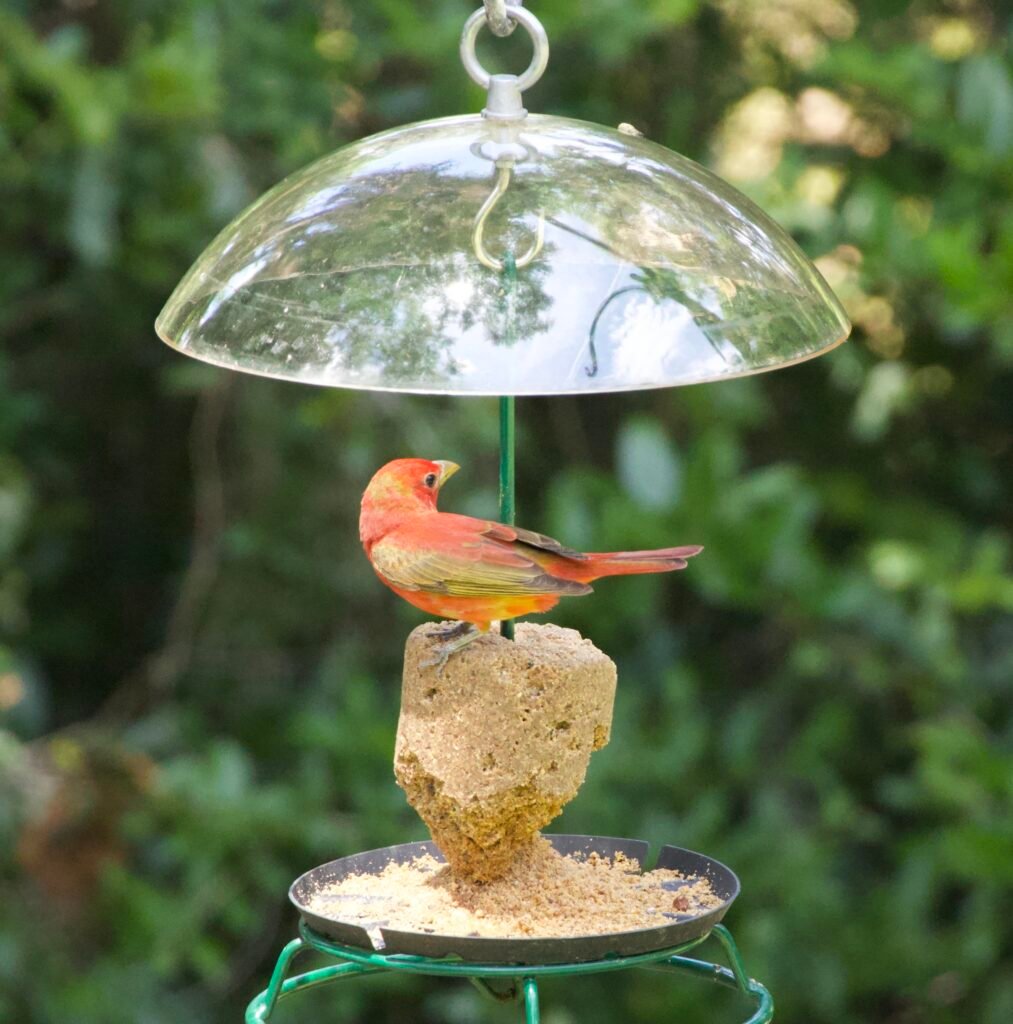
(576, 949)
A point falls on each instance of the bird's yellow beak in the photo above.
(447, 470)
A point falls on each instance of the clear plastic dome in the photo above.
(361, 270)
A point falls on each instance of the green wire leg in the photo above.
(531, 1001)
(263, 1005)
(734, 978)
(524, 986)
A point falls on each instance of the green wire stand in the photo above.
(515, 981)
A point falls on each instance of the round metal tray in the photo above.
(575, 949)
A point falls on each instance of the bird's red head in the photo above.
(402, 488)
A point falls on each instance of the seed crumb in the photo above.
(543, 895)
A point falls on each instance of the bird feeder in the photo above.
(504, 254)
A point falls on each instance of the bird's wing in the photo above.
(456, 555)
(511, 534)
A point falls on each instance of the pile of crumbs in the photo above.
(543, 895)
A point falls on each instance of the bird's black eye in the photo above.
(430, 480)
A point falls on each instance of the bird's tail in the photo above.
(626, 563)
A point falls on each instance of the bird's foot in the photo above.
(453, 631)
(460, 638)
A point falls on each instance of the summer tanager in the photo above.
(475, 570)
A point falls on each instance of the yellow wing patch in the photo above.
(506, 573)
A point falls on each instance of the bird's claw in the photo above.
(438, 662)
(460, 635)
(453, 631)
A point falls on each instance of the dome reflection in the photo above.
(360, 270)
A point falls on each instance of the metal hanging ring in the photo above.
(539, 40)
(500, 23)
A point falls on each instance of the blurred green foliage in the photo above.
(198, 673)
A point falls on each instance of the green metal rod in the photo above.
(507, 445)
(263, 1005)
(507, 477)
(531, 1014)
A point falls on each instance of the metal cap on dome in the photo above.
(503, 254)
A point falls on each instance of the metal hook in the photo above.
(478, 236)
(499, 21)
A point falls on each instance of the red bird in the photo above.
(476, 570)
